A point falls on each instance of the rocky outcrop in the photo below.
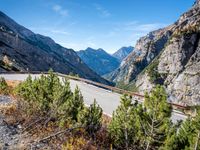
(23, 50)
(123, 52)
(146, 49)
(99, 60)
(180, 65)
(169, 56)
(180, 60)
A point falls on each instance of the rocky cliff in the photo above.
(23, 50)
(146, 49)
(99, 60)
(169, 56)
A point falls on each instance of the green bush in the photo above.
(3, 86)
(49, 97)
(124, 129)
(134, 126)
(157, 115)
(70, 105)
(90, 117)
(40, 94)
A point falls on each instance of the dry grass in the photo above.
(13, 83)
(75, 140)
(106, 119)
(8, 109)
(77, 143)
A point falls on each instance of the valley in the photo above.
(102, 75)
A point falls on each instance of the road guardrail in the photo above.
(111, 88)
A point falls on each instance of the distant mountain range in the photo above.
(123, 53)
(23, 50)
(102, 62)
(99, 60)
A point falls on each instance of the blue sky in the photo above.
(109, 24)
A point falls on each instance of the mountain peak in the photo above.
(99, 60)
(99, 49)
(89, 48)
(123, 52)
(197, 2)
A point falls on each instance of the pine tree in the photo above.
(24, 89)
(61, 104)
(125, 127)
(77, 104)
(90, 118)
(40, 94)
(157, 117)
(50, 87)
(173, 140)
(73, 103)
(48, 97)
(27, 91)
(185, 136)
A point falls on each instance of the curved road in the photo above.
(106, 99)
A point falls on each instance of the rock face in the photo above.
(98, 60)
(180, 60)
(22, 50)
(123, 53)
(171, 57)
(146, 49)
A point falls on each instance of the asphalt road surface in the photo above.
(106, 99)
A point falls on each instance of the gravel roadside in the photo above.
(9, 135)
